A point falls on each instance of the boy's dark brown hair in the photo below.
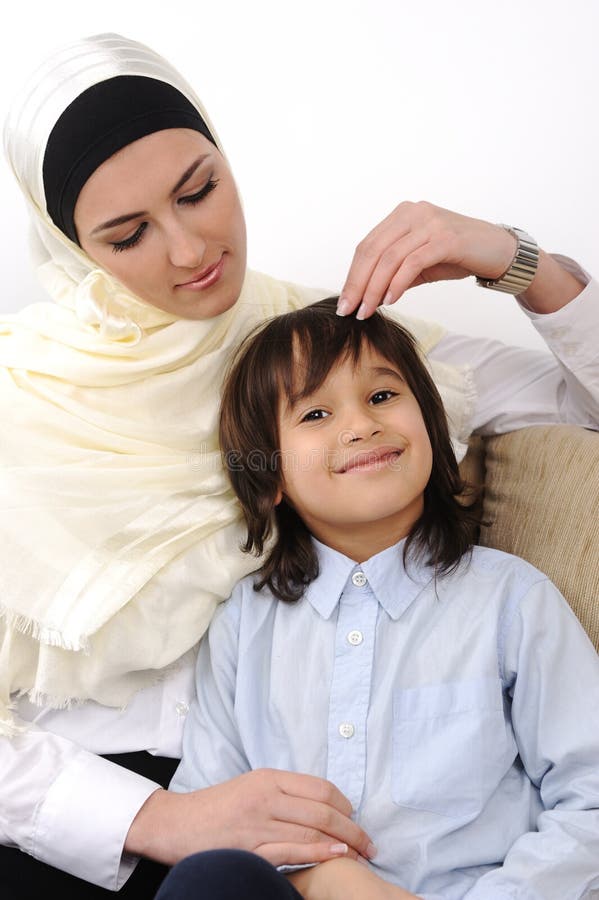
(263, 375)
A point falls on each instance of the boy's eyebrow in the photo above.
(383, 370)
(120, 220)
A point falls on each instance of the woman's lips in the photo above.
(372, 461)
(206, 278)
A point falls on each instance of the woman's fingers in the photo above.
(423, 263)
(416, 243)
(308, 821)
(368, 254)
(293, 854)
(302, 810)
(390, 277)
(310, 787)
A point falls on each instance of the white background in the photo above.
(332, 111)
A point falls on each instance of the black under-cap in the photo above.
(98, 123)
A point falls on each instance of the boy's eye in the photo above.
(192, 199)
(381, 396)
(125, 244)
(314, 415)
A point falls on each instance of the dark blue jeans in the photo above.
(225, 875)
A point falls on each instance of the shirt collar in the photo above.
(394, 587)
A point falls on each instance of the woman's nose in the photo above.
(185, 249)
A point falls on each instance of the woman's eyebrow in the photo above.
(120, 220)
(189, 172)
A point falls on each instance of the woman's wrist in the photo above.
(146, 836)
(553, 287)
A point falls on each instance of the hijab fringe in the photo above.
(41, 633)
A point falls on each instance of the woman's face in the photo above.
(163, 216)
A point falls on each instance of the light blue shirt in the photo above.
(460, 716)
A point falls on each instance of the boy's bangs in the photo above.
(312, 360)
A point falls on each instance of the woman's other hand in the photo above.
(283, 816)
(345, 879)
(419, 243)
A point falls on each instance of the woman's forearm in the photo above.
(552, 287)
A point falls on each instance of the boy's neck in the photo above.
(361, 543)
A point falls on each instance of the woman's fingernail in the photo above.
(361, 314)
(343, 306)
(339, 849)
(371, 851)
(388, 300)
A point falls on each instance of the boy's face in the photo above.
(356, 457)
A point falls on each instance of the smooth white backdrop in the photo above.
(332, 111)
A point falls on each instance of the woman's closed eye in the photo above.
(126, 243)
(188, 200)
(192, 199)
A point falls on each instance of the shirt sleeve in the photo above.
(552, 673)
(517, 387)
(212, 747)
(68, 807)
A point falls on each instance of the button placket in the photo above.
(350, 687)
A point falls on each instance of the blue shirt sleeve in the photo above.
(552, 674)
(212, 747)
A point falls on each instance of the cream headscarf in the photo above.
(110, 463)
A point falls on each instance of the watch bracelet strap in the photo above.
(523, 268)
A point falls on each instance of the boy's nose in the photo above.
(359, 427)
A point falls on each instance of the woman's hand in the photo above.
(282, 816)
(419, 243)
(345, 879)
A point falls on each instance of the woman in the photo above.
(123, 532)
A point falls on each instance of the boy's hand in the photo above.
(345, 879)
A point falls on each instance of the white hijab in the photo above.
(110, 462)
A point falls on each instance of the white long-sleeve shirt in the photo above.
(72, 809)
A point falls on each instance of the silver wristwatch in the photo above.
(523, 267)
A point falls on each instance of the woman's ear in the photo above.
(278, 497)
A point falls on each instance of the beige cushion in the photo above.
(542, 500)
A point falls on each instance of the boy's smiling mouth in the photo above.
(371, 460)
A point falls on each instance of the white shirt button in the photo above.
(181, 708)
(355, 637)
(347, 730)
(359, 579)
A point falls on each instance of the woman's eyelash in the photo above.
(117, 246)
(192, 199)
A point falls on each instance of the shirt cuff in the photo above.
(83, 821)
(570, 332)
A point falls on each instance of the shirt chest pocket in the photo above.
(450, 746)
